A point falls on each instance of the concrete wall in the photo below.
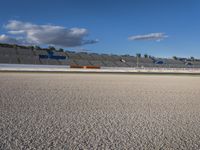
(59, 68)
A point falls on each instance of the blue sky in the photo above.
(113, 21)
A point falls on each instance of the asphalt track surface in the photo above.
(99, 111)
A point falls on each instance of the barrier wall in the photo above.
(85, 67)
(66, 69)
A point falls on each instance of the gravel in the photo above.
(99, 111)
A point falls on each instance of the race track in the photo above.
(99, 111)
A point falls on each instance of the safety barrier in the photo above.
(85, 67)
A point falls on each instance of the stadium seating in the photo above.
(13, 54)
(8, 59)
(116, 57)
(57, 53)
(107, 57)
(96, 63)
(128, 58)
(7, 51)
(72, 55)
(29, 59)
(85, 56)
(40, 52)
(121, 64)
(49, 62)
(22, 51)
(131, 64)
(82, 62)
(145, 60)
(109, 63)
(96, 56)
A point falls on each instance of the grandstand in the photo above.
(15, 54)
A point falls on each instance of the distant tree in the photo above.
(192, 58)
(31, 47)
(61, 50)
(138, 55)
(51, 48)
(6, 45)
(146, 55)
(15, 46)
(175, 58)
(152, 57)
(37, 47)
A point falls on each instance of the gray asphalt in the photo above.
(99, 111)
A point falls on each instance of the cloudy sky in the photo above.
(156, 27)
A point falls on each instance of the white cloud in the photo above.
(16, 32)
(6, 39)
(48, 34)
(151, 36)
